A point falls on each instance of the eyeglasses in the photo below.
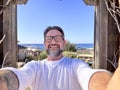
(57, 38)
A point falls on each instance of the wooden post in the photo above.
(1, 34)
(10, 30)
(10, 48)
(101, 35)
(106, 38)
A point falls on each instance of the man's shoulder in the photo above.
(74, 60)
(32, 63)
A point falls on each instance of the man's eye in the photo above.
(48, 38)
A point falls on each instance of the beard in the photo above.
(54, 53)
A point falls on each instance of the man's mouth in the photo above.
(54, 46)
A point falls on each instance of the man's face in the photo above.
(54, 43)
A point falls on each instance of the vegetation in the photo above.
(42, 55)
(70, 51)
(70, 47)
(70, 54)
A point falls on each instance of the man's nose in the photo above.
(53, 40)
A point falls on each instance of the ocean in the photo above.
(41, 46)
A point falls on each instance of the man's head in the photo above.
(54, 41)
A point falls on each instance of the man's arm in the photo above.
(114, 83)
(8, 80)
(99, 80)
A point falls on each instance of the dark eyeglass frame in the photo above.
(53, 37)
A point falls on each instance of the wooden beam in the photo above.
(20, 1)
(91, 2)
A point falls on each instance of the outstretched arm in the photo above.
(114, 83)
(99, 80)
(8, 80)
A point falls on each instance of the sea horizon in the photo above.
(41, 45)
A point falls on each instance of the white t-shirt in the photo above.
(64, 74)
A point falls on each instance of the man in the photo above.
(56, 72)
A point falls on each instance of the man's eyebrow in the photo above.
(54, 36)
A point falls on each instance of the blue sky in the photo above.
(74, 16)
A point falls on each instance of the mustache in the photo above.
(50, 45)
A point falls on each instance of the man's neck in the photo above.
(49, 58)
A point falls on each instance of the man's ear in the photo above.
(64, 43)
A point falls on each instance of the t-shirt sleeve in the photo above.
(25, 75)
(84, 73)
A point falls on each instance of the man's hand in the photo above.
(8, 80)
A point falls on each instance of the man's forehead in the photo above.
(53, 32)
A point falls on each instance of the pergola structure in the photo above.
(106, 34)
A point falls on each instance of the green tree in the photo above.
(70, 54)
(70, 47)
(42, 55)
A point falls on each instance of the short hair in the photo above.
(54, 27)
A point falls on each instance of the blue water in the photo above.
(84, 46)
(41, 46)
